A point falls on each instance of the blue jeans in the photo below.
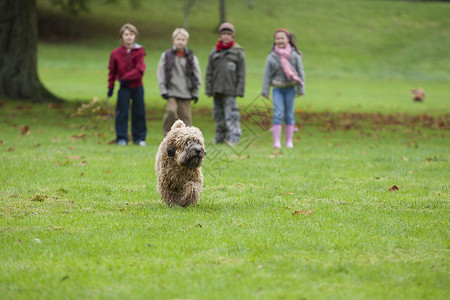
(283, 105)
(138, 125)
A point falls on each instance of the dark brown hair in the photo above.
(291, 38)
(130, 27)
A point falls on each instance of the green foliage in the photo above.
(72, 6)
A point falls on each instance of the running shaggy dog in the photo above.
(178, 165)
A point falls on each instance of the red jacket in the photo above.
(129, 66)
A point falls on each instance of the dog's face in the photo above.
(187, 146)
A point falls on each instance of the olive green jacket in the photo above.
(225, 73)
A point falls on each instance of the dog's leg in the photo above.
(191, 193)
(171, 198)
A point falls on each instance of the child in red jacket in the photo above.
(126, 64)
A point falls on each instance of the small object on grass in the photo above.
(303, 212)
(393, 188)
(419, 94)
(38, 198)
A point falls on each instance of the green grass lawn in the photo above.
(81, 219)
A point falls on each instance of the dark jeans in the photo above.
(138, 125)
(227, 117)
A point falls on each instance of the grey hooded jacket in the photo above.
(274, 74)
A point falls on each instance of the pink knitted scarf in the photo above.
(288, 69)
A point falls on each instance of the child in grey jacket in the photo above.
(284, 71)
(179, 80)
(225, 80)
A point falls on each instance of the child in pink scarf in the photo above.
(283, 71)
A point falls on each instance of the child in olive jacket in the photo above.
(225, 80)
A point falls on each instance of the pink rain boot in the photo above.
(276, 132)
(289, 131)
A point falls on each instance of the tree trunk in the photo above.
(223, 11)
(19, 79)
(187, 13)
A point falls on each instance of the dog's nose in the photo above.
(198, 151)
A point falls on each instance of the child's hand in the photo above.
(298, 95)
(266, 96)
(110, 92)
(209, 95)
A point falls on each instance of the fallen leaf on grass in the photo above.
(108, 171)
(289, 193)
(38, 197)
(277, 152)
(25, 130)
(56, 105)
(405, 158)
(75, 157)
(11, 149)
(63, 163)
(56, 140)
(393, 188)
(79, 136)
(303, 212)
(82, 164)
(245, 156)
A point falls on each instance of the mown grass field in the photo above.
(81, 218)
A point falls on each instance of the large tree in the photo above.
(19, 79)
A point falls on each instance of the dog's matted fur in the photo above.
(178, 165)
